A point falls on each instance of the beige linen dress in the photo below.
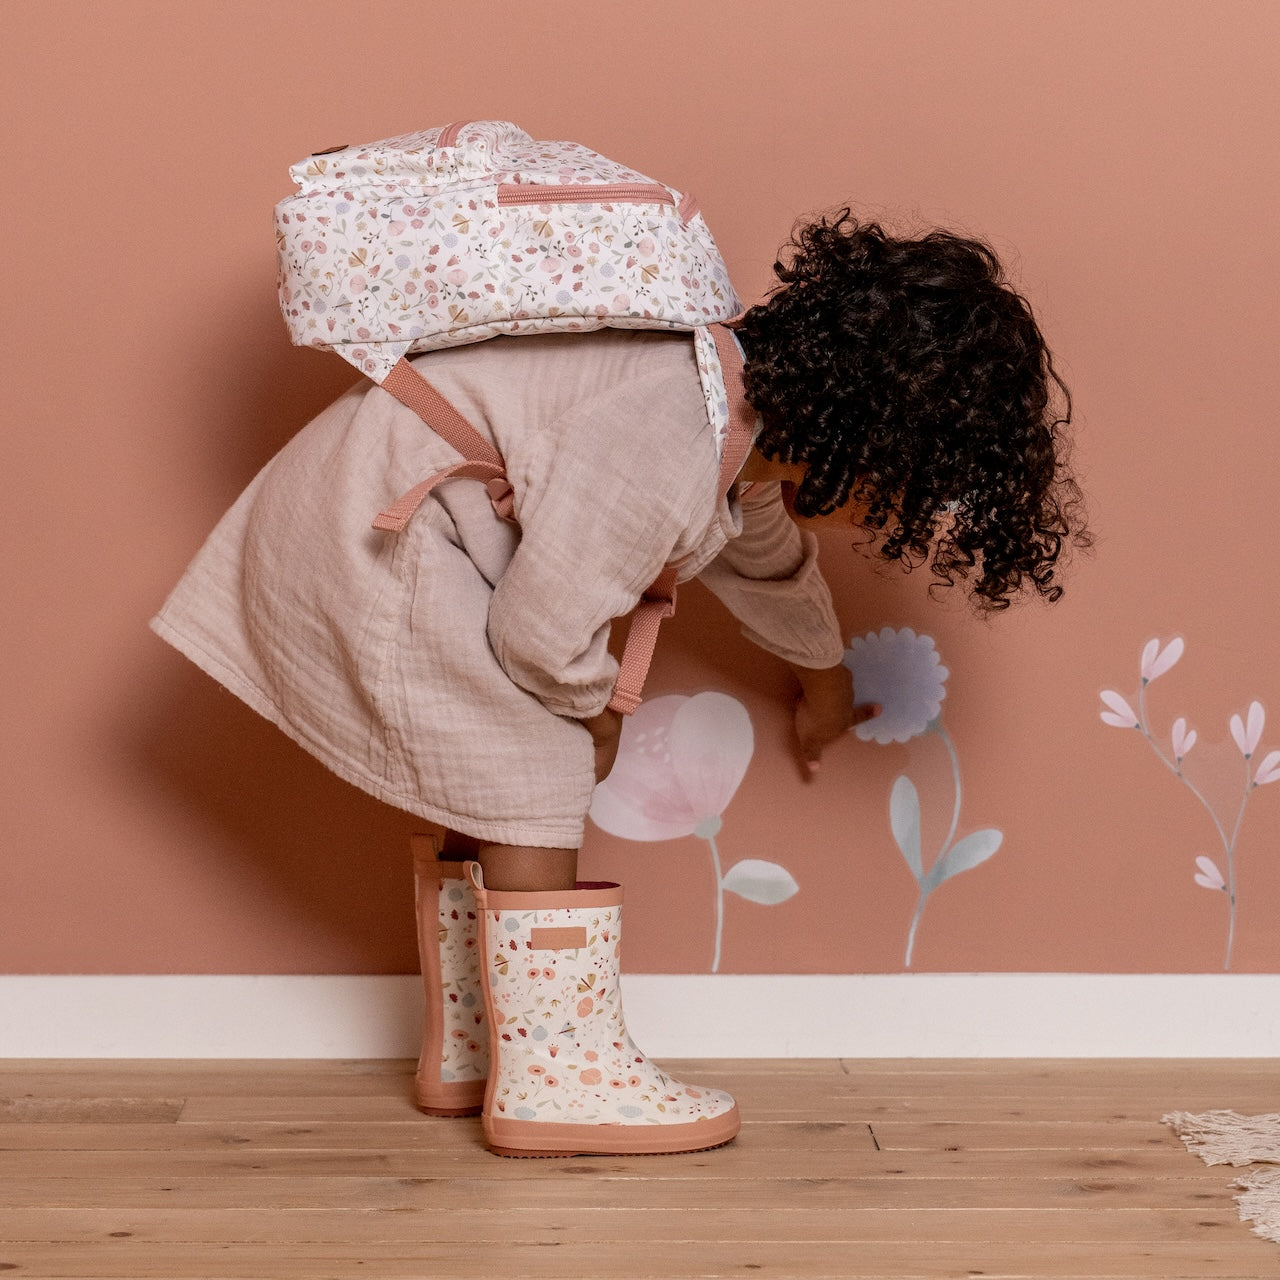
(443, 669)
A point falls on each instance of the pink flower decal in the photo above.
(680, 762)
(1156, 661)
(1247, 734)
(1268, 770)
(1246, 731)
(1209, 877)
(1121, 714)
(1183, 738)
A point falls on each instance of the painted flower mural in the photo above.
(903, 672)
(680, 762)
(1246, 733)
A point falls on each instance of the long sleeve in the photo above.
(768, 578)
(629, 485)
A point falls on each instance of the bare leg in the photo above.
(458, 847)
(515, 868)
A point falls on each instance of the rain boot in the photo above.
(454, 1065)
(565, 1077)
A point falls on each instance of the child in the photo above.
(460, 669)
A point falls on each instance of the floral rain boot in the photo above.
(454, 1065)
(567, 1079)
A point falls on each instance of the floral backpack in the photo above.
(453, 235)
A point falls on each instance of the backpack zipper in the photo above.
(517, 193)
(584, 193)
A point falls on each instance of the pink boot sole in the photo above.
(435, 1099)
(530, 1138)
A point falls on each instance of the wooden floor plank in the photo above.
(752, 1156)
(684, 1260)
(899, 1171)
(194, 1077)
(422, 1133)
(514, 1184)
(110, 1110)
(791, 1222)
(1043, 1135)
(764, 1106)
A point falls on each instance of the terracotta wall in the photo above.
(1120, 154)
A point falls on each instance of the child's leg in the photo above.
(514, 868)
(454, 1061)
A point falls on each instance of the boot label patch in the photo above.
(557, 939)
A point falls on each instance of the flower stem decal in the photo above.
(904, 674)
(1246, 731)
(680, 761)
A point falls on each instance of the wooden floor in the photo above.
(319, 1170)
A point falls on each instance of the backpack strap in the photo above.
(742, 417)
(482, 461)
(400, 512)
(659, 602)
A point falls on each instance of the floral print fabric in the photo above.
(405, 245)
(465, 1050)
(563, 1052)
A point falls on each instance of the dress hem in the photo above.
(249, 693)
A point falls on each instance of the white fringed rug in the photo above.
(1226, 1137)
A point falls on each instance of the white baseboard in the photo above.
(725, 1016)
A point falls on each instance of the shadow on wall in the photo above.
(273, 392)
(335, 859)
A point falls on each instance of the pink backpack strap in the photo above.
(659, 602)
(482, 460)
(400, 512)
(742, 417)
(656, 605)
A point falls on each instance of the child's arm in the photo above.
(599, 519)
(768, 578)
(825, 709)
(606, 731)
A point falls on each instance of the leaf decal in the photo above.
(758, 881)
(904, 822)
(964, 855)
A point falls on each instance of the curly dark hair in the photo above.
(912, 379)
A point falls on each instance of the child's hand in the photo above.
(826, 710)
(605, 730)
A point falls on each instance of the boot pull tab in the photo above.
(475, 875)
